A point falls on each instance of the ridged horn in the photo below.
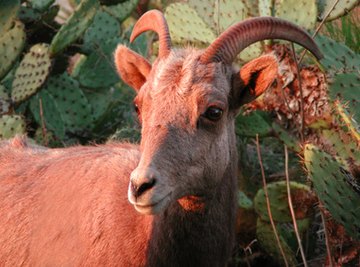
(154, 20)
(239, 36)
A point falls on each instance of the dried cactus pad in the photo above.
(31, 73)
(10, 125)
(335, 187)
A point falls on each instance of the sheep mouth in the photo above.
(153, 208)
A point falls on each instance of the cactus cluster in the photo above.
(51, 72)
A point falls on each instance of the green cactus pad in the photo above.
(11, 125)
(41, 5)
(4, 100)
(265, 8)
(52, 116)
(122, 10)
(256, 122)
(287, 138)
(244, 201)
(337, 57)
(98, 70)
(75, 26)
(31, 73)
(8, 13)
(333, 185)
(290, 10)
(340, 144)
(103, 28)
(301, 198)
(267, 240)
(346, 88)
(341, 8)
(11, 44)
(186, 25)
(345, 118)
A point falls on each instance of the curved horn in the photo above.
(235, 39)
(155, 21)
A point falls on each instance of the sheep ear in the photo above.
(252, 80)
(132, 67)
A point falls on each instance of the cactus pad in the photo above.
(341, 8)
(337, 57)
(31, 73)
(10, 125)
(186, 25)
(8, 13)
(267, 239)
(300, 195)
(252, 124)
(75, 26)
(333, 185)
(67, 109)
(11, 44)
(122, 10)
(4, 100)
(97, 70)
(103, 28)
(346, 88)
(41, 5)
(290, 10)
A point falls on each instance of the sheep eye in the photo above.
(136, 108)
(213, 113)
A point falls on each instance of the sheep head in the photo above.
(187, 101)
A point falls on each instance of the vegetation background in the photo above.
(299, 173)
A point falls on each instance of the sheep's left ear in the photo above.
(252, 80)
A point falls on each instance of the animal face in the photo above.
(186, 102)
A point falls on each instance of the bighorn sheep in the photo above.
(70, 207)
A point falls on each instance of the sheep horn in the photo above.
(231, 42)
(155, 21)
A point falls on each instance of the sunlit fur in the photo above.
(70, 207)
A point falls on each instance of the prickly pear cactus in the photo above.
(4, 100)
(300, 195)
(337, 57)
(103, 28)
(345, 87)
(289, 10)
(41, 5)
(287, 138)
(122, 10)
(256, 122)
(341, 8)
(75, 26)
(8, 13)
(347, 120)
(68, 108)
(12, 42)
(11, 125)
(335, 187)
(31, 73)
(267, 240)
(186, 25)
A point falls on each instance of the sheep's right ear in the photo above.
(132, 67)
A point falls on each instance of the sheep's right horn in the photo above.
(239, 36)
(155, 21)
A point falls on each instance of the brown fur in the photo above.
(69, 207)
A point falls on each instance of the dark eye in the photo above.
(136, 108)
(213, 113)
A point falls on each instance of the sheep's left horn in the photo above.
(239, 36)
(154, 20)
